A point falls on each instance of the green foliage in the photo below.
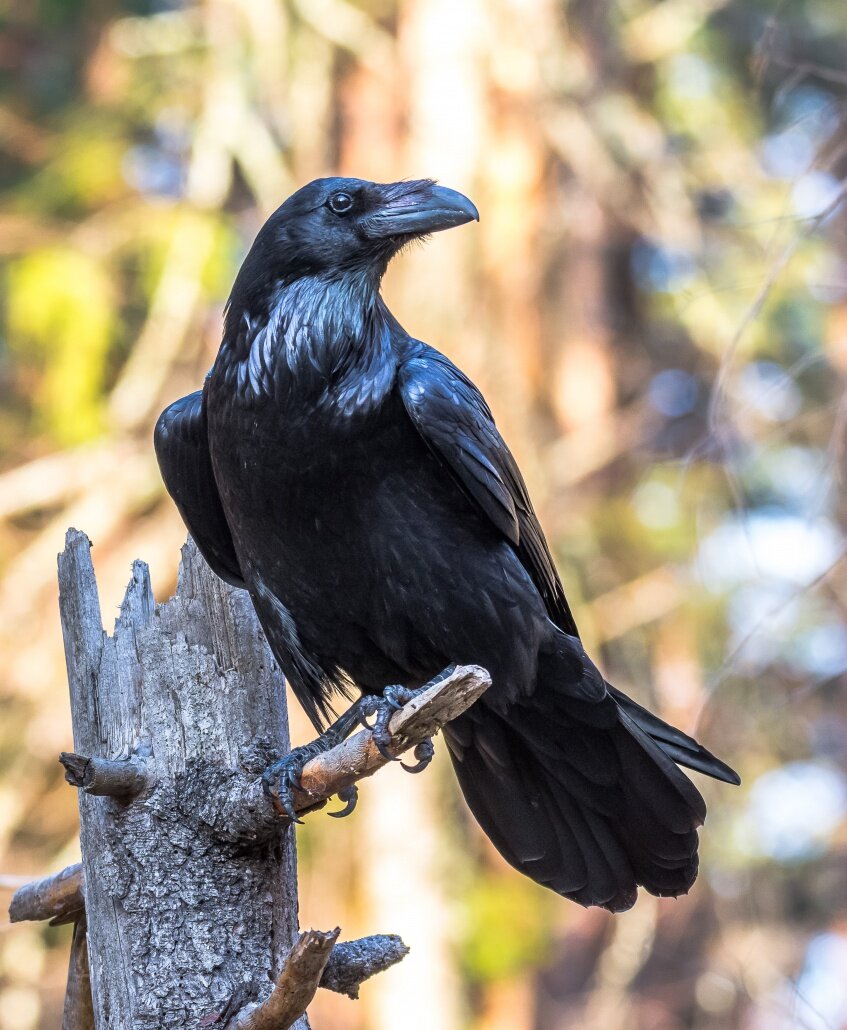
(508, 929)
(60, 323)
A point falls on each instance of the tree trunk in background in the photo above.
(440, 51)
(182, 914)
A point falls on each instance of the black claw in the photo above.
(279, 779)
(380, 731)
(424, 753)
(351, 796)
(381, 744)
(396, 696)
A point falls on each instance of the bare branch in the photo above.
(79, 1007)
(353, 962)
(358, 757)
(295, 986)
(59, 898)
(123, 778)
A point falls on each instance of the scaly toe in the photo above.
(279, 779)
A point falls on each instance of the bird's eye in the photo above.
(340, 203)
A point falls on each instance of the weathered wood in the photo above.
(188, 871)
(353, 962)
(79, 1008)
(58, 898)
(180, 916)
(123, 778)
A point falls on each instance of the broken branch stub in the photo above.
(58, 898)
(294, 987)
(117, 778)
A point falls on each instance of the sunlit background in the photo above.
(655, 304)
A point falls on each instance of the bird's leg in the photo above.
(393, 699)
(282, 777)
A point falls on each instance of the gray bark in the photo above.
(184, 910)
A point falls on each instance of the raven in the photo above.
(352, 479)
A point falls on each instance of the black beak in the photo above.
(420, 211)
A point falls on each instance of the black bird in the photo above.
(353, 480)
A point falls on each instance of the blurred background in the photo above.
(655, 304)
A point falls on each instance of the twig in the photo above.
(59, 898)
(79, 1007)
(353, 962)
(295, 986)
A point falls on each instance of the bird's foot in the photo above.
(282, 778)
(392, 700)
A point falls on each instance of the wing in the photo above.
(452, 417)
(182, 449)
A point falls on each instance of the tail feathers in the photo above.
(678, 745)
(591, 809)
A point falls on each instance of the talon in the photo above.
(424, 753)
(283, 777)
(381, 743)
(351, 796)
(293, 774)
(279, 779)
(385, 708)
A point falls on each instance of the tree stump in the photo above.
(187, 912)
(185, 904)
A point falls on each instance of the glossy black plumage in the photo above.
(352, 478)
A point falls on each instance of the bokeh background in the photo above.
(655, 304)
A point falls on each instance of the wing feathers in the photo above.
(456, 424)
(182, 450)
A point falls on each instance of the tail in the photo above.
(585, 797)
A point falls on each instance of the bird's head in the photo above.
(348, 225)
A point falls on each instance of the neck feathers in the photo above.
(320, 339)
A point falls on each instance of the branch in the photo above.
(124, 778)
(59, 898)
(295, 986)
(353, 962)
(241, 811)
(422, 718)
(79, 1009)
